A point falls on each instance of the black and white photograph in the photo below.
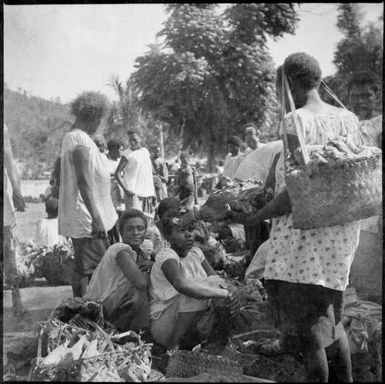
(192, 192)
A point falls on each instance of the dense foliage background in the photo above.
(208, 74)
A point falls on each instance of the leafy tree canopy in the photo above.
(213, 72)
(361, 49)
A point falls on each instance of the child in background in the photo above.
(121, 279)
(185, 181)
(47, 229)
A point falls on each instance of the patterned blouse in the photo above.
(320, 256)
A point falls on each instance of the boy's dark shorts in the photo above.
(310, 312)
(88, 253)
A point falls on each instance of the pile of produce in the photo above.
(54, 262)
(247, 196)
(25, 255)
(334, 152)
(76, 344)
(362, 321)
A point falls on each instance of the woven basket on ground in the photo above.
(188, 364)
(336, 194)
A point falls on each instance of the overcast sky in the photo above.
(62, 50)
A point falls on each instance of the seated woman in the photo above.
(121, 279)
(182, 284)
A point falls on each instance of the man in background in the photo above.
(233, 158)
(160, 174)
(363, 92)
(366, 270)
(252, 138)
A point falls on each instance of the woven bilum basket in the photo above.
(340, 193)
(189, 364)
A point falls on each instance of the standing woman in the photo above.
(13, 201)
(137, 181)
(307, 271)
(86, 211)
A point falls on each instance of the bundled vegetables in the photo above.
(54, 263)
(247, 196)
(25, 254)
(80, 346)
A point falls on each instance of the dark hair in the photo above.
(114, 144)
(247, 125)
(234, 140)
(89, 106)
(52, 206)
(168, 203)
(129, 214)
(185, 155)
(167, 222)
(363, 78)
(302, 70)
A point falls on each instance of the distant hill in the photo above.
(36, 127)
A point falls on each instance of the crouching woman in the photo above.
(121, 279)
(182, 284)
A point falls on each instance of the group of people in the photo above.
(151, 275)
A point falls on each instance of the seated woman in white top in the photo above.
(121, 279)
(182, 284)
(47, 229)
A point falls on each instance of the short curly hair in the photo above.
(302, 70)
(168, 223)
(89, 106)
(129, 214)
(167, 204)
(114, 144)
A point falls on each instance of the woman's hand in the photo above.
(98, 230)
(234, 299)
(243, 217)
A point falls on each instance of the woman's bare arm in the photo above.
(129, 268)
(118, 173)
(189, 288)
